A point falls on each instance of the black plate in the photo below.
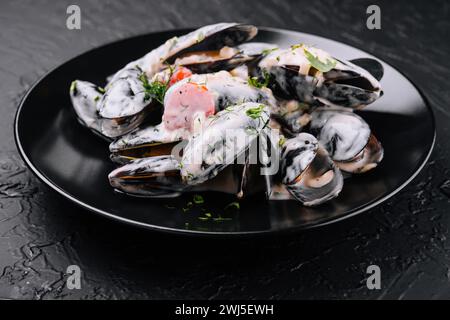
(74, 162)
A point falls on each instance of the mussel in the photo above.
(150, 177)
(85, 96)
(347, 138)
(313, 76)
(147, 142)
(224, 140)
(307, 171)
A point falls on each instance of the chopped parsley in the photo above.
(73, 87)
(233, 205)
(155, 90)
(296, 46)
(254, 81)
(251, 130)
(318, 64)
(222, 219)
(200, 37)
(97, 98)
(255, 113)
(265, 52)
(101, 90)
(282, 141)
(198, 199)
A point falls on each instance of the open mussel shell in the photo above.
(117, 127)
(142, 143)
(211, 37)
(307, 171)
(349, 85)
(366, 160)
(287, 83)
(211, 49)
(85, 96)
(223, 141)
(347, 138)
(216, 64)
(293, 75)
(374, 67)
(149, 177)
(125, 104)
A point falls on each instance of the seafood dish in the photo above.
(213, 111)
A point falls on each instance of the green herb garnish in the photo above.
(282, 141)
(251, 130)
(265, 52)
(97, 98)
(319, 65)
(255, 113)
(155, 90)
(101, 90)
(198, 199)
(73, 87)
(254, 81)
(233, 205)
(200, 37)
(221, 219)
(296, 46)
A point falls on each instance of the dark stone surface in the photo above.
(42, 233)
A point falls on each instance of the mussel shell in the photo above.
(212, 37)
(287, 83)
(142, 143)
(153, 177)
(343, 134)
(85, 96)
(366, 160)
(320, 168)
(297, 154)
(256, 49)
(341, 94)
(124, 97)
(307, 171)
(374, 67)
(292, 76)
(219, 64)
(117, 127)
(224, 140)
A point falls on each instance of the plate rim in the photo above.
(186, 232)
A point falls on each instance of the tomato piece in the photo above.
(179, 74)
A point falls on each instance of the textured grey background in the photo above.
(42, 233)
